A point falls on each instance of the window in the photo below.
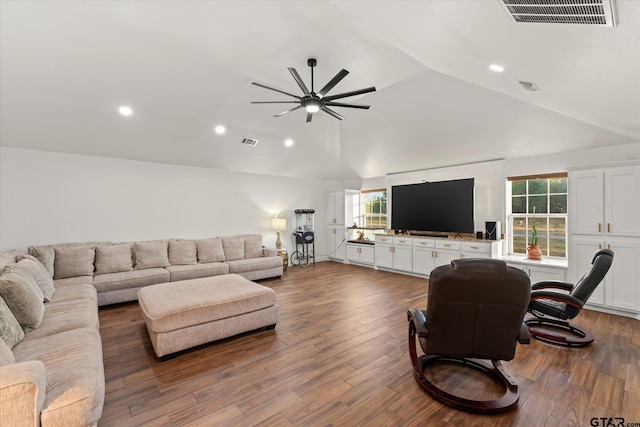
(546, 195)
(373, 208)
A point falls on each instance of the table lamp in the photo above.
(278, 225)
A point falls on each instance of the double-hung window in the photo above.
(373, 208)
(539, 199)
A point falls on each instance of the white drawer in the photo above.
(446, 244)
(381, 238)
(476, 247)
(402, 241)
(424, 243)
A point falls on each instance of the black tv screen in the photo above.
(444, 206)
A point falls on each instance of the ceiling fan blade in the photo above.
(352, 93)
(334, 81)
(340, 104)
(298, 80)
(277, 90)
(331, 112)
(309, 117)
(275, 102)
(288, 111)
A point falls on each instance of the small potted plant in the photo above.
(533, 250)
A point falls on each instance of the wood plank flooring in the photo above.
(339, 357)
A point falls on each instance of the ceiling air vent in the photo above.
(591, 12)
(250, 141)
(530, 86)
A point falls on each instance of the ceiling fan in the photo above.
(315, 101)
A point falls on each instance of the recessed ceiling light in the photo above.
(125, 111)
(497, 68)
(220, 129)
(288, 142)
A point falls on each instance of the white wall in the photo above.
(53, 198)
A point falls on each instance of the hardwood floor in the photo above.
(338, 356)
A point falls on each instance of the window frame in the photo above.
(528, 216)
(362, 211)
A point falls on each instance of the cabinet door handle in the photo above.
(599, 227)
(608, 246)
(599, 245)
(608, 227)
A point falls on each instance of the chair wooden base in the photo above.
(572, 336)
(507, 402)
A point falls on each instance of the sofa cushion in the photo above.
(10, 330)
(182, 252)
(130, 279)
(23, 296)
(75, 376)
(151, 254)
(252, 245)
(114, 258)
(39, 273)
(74, 292)
(187, 272)
(6, 355)
(233, 248)
(253, 264)
(73, 261)
(9, 257)
(72, 281)
(210, 250)
(65, 316)
(44, 254)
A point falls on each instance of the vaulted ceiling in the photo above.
(187, 66)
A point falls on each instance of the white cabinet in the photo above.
(338, 210)
(423, 255)
(620, 288)
(402, 253)
(446, 252)
(539, 273)
(603, 213)
(335, 208)
(335, 237)
(605, 201)
(361, 254)
(394, 252)
(420, 255)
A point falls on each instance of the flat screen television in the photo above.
(443, 206)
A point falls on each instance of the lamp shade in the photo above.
(279, 224)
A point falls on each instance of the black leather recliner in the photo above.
(475, 309)
(553, 303)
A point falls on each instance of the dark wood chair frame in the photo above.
(497, 372)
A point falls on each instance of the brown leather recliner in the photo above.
(475, 310)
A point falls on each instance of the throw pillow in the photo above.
(44, 254)
(182, 252)
(252, 246)
(6, 355)
(23, 296)
(10, 330)
(113, 258)
(233, 248)
(210, 250)
(39, 273)
(73, 261)
(151, 254)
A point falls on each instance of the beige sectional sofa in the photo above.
(51, 368)
(119, 270)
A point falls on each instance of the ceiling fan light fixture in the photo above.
(312, 107)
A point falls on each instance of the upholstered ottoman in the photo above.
(181, 315)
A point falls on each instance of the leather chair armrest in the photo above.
(420, 321)
(552, 284)
(557, 296)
